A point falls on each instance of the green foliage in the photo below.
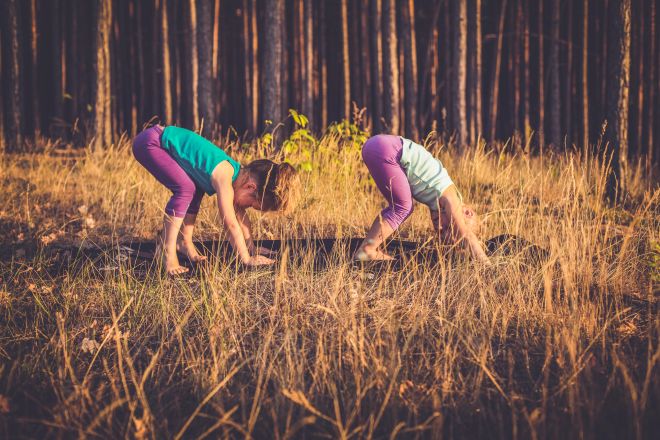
(349, 133)
(300, 145)
(266, 140)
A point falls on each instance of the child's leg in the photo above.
(147, 151)
(381, 154)
(185, 244)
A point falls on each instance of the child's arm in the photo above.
(246, 226)
(222, 182)
(453, 205)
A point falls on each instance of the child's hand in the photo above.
(265, 251)
(259, 260)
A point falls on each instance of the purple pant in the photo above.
(186, 197)
(381, 154)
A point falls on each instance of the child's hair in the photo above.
(277, 184)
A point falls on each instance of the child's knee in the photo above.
(185, 191)
(404, 210)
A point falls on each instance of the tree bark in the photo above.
(541, 55)
(555, 89)
(346, 68)
(391, 61)
(205, 54)
(618, 78)
(323, 74)
(526, 74)
(428, 101)
(567, 74)
(585, 76)
(11, 77)
(460, 71)
(376, 64)
(477, 74)
(193, 65)
(365, 56)
(167, 75)
(495, 83)
(56, 62)
(217, 102)
(651, 86)
(516, 66)
(34, 94)
(410, 68)
(308, 62)
(102, 106)
(272, 83)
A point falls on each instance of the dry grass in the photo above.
(567, 349)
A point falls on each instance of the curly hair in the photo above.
(278, 185)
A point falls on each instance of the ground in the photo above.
(96, 341)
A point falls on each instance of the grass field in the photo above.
(567, 348)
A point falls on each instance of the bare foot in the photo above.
(368, 254)
(190, 251)
(172, 266)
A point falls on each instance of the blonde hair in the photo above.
(278, 185)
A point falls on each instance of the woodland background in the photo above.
(544, 73)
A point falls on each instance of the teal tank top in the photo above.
(196, 155)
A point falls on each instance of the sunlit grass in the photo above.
(528, 350)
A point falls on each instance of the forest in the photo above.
(545, 73)
(519, 300)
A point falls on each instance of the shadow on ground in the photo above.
(324, 251)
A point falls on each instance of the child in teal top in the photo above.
(197, 156)
(189, 166)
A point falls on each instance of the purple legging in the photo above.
(381, 154)
(186, 197)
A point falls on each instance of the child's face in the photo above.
(448, 229)
(245, 195)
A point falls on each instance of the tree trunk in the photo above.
(428, 100)
(555, 90)
(567, 75)
(323, 74)
(477, 73)
(205, 48)
(410, 68)
(272, 83)
(247, 65)
(527, 126)
(641, 92)
(376, 64)
(346, 71)
(495, 88)
(102, 108)
(192, 66)
(651, 86)
(541, 55)
(308, 62)
(516, 66)
(34, 102)
(391, 87)
(167, 76)
(460, 71)
(618, 79)
(217, 103)
(56, 63)
(11, 76)
(365, 56)
(585, 76)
